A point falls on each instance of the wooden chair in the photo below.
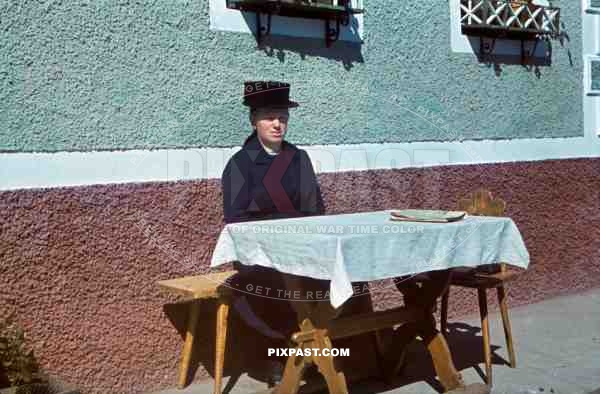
(203, 287)
(482, 203)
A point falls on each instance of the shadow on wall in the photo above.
(346, 51)
(531, 54)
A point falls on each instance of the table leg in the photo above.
(186, 354)
(425, 297)
(294, 367)
(442, 362)
(336, 381)
(327, 365)
(314, 317)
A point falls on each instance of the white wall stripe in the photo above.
(42, 170)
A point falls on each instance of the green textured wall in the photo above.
(94, 75)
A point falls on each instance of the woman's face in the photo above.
(271, 124)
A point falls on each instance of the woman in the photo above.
(268, 178)
(252, 188)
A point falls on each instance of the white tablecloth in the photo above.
(368, 246)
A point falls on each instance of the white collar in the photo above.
(269, 151)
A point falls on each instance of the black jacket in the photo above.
(258, 186)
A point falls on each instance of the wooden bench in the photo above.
(203, 287)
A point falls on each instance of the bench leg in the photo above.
(186, 354)
(221, 341)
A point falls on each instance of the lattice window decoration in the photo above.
(511, 19)
(333, 12)
(592, 75)
(592, 6)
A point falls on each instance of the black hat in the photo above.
(274, 94)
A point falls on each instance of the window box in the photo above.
(511, 19)
(336, 11)
(300, 9)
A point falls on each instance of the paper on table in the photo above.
(425, 215)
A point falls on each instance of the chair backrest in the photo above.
(482, 203)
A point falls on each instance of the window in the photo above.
(592, 75)
(591, 66)
(592, 6)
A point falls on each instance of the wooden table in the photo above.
(347, 254)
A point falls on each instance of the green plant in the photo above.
(17, 363)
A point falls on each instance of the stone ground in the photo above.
(557, 343)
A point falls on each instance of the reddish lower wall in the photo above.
(79, 265)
